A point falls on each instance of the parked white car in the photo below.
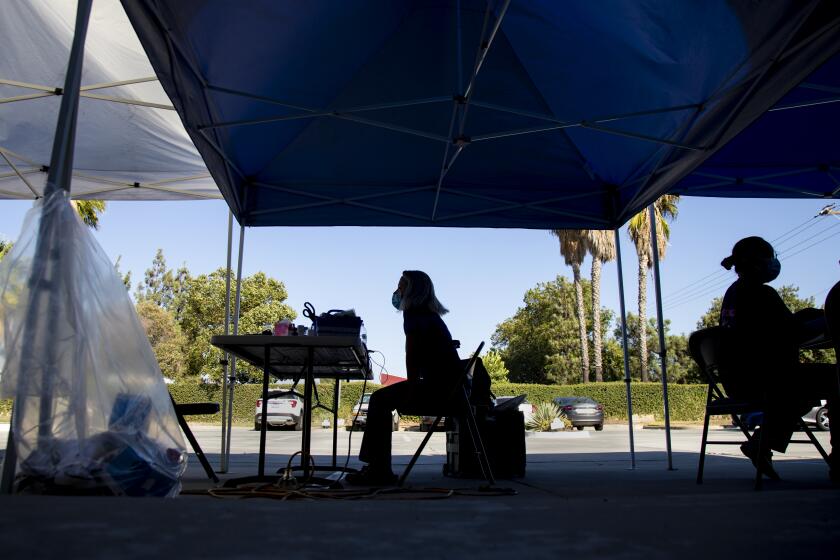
(526, 408)
(818, 416)
(285, 408)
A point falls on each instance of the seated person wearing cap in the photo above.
(764, 353)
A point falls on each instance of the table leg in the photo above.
(336, 395)
(307, 413)
(264, 425)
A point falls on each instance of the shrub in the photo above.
(687, 402)
(545, 413)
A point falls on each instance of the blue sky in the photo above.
(481, 275)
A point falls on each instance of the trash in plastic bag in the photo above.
(92, 414)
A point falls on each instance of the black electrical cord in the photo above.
(359, 410)
(278, 492)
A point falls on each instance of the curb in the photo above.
(558, 435)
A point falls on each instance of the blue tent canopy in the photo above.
(472, 113)
(793, 150)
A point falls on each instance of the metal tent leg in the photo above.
(662, 349)
(223, 462)
(232, 381)
(626, 351)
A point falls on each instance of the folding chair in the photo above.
(191, 409)
(706, 348)
(458, 404)
(832, 318)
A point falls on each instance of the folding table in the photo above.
(310, 357)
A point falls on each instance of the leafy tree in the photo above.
(601, 245)
(639, 229)
(163, 286)
(790, 295)
(681, 367)
(634, 345)
(613, 359)
(126, 278)
(711, 317)
(573, 249)
(538, 344)
(495, 366)
(166, 338)
(202, 315)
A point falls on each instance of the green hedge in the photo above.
(245, 399)
(687, 401)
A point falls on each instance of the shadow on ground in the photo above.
(580, 505)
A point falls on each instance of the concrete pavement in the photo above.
(579, 498)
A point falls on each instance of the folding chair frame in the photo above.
(472, 426)
(187, 409)
(718, 404)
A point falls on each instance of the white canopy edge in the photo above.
(130, 143)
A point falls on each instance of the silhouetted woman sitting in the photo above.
(432, 366)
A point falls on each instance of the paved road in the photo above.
(613, 443)
(578, 498)
(608, 446)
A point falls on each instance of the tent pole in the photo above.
(624, 346)
(61, 161)
(662, 350)
(59, 177)
(223, 466)
(232, 381)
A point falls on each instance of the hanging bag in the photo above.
(92, 414)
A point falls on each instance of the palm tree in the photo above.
(89, 211)
(5, 247)
(665, 207)
(601, 245)
(573, 249)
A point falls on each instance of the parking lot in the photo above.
(547, 452)
(579, 496)
(586, 454)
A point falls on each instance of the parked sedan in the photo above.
(285, 408)
(582, 411)
(359, 414)
(427, 421)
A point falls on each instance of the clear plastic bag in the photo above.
(91, 411)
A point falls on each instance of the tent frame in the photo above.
(109, 185)
(60, 169)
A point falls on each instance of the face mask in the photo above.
(396, 300)
(761, 270)
(771, 270)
